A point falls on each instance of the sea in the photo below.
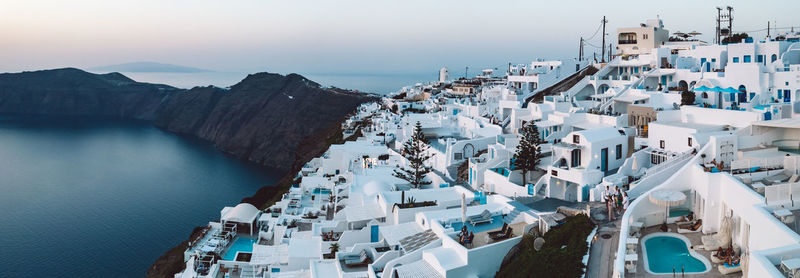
(105, 198)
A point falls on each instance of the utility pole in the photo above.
(602, 57)
(609, 52)
(466, 70)
(730, 20)
(768, 29)
(580, 50)
(719, 15)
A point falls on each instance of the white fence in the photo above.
(666, 164)
(782, 194)
(764, 163)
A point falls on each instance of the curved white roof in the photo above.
(242, 213)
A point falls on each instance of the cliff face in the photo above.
(263, 118)
(75, 92)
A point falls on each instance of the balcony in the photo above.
(626, 42)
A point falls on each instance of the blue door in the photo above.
(703, 63)
(375, 234)
(767, 116)
(604, 159)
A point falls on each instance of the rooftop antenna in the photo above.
(465, 72)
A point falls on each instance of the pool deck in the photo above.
(695, 239)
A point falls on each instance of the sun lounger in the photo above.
(505, 235)
(695, 227)
(484, 217)
(361, 260)
(500, 232)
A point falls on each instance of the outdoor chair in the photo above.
(484, 217)
(501, 231)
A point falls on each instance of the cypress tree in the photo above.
(528, 154)
(415, 151)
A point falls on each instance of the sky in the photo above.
(339, 37)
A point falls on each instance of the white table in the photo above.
(790, 265)
(632, 240)
(631, 257)
(759, 186)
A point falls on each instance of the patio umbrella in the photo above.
(667, 198)
(694, 33)
(703, 89)
(463, 208)
(679, 34)
(634, 165)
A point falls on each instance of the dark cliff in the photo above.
(263, 118)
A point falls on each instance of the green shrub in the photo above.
(553, 260)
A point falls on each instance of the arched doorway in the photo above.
(469, 150)
(742, 94)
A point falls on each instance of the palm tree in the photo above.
(334, 248)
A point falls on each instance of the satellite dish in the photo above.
(538, 243)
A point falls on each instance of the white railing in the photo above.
(768, 163)
(667, 164)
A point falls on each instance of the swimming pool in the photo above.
(321, 191)
(668, 252)
(678, 212)
(241, 244)
(497, 223)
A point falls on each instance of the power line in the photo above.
(773, 28)
(595, 31)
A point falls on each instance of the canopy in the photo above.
(730, 90)
(707, 89)
(242, 213)
(667, 197)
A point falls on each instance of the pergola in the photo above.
(243, 214)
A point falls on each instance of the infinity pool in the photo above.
(668, 252)
(239, 245)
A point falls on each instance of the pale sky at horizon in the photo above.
(339, 37)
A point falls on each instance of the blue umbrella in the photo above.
(703, 89)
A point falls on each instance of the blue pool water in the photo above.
(239, 245)
(497, 223)
(322, 191)
(665, 252)
(678, 212)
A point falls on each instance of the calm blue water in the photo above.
(666, 252)
(106, 198)
(497, 224)
(241, 244)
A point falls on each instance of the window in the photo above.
(690, 141)
(713, 60)
(760, 58)
(619, 151)
(576, 139)
(735, 59)
(644, 36)
(662, 144)
(780, 93)
(774, 58)
(747, 58)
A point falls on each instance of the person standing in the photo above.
(607, 197)
(625, 201)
